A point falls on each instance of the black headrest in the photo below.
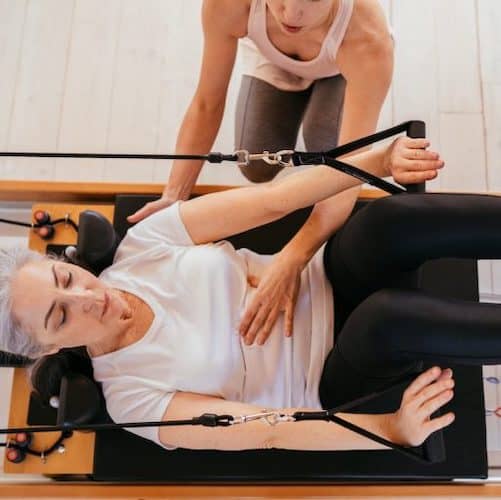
(97, 241)
(65, 378)
(80, 400)
(49, 371)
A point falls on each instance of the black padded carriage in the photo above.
(123, 456)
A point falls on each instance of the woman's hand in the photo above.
(409, 162)
(150, 208)
(411, 424)
(277, 291)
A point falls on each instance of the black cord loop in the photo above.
(412, 128)
(25, 449)
(37, 225)
(434, 453)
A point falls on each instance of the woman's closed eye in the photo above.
(68, 279)
(66, 283)
(62, 321)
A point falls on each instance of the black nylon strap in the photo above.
(215, 157)
(433, 447)
(365, 176)
(349, 170)
(413, 128)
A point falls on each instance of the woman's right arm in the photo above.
(409, 426)
(224, 22)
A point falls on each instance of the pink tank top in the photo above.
(264, 61)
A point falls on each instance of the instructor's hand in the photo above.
(276, 293)
(412, 423)
(150, 208)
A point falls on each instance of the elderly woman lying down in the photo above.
(162, 325)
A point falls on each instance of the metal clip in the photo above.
(43, 458)
(271, 418)
(276, 159)
(277, 418)
(242, 158)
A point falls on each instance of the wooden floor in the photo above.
(89, 492)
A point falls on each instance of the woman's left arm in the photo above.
(218, 215)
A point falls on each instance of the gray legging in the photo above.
(268, 119)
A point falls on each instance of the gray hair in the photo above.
(12, 338)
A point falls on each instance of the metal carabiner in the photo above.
(270, 417)
(275, 159)
(242, 157)
(279, 155)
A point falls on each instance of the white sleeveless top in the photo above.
(264, 61)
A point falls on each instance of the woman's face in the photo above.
(64, 305)
(299, 16)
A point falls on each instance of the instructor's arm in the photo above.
(224, 22)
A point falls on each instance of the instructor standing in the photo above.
(323, 64)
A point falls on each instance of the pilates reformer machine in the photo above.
(75, 406)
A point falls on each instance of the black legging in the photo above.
(372, 265)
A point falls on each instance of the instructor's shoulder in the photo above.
(369, 28)
(228, 16)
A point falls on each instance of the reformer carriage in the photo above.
(80, 402)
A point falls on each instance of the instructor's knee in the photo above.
(259, 171)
